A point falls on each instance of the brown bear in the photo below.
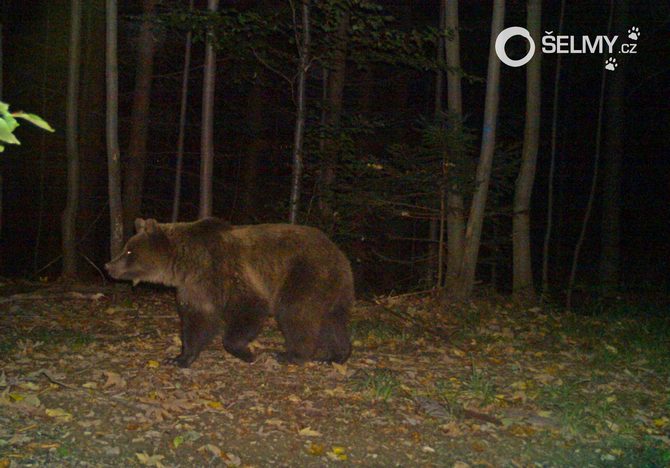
(240, 275)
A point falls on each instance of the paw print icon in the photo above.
(610, 64)
(634, 33)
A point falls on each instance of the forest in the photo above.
(495, 172)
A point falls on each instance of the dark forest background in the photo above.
(385, 191)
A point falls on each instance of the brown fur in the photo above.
(239, 275)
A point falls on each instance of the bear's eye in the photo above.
(128, 252)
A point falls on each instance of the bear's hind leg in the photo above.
(334, 344)
(300, 332)
(297, 313)
(243, 329)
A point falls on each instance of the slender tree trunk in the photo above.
(182, 122)
(552, 164)
(473, 231)
(1, 83)
(207, 136)
(455, 205)
(43, 139)
(69, 220)
(113, 156)
(139, 122)
(255, 105)
(298, 136)
(333, 111)
(594, 180)
(436, 224)
(93, 185)
(612, 163)
(523, 270)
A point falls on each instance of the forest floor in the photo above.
(83, 383)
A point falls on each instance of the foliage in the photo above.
(268, 36)
(8, 124)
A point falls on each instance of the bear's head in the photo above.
(145, 257)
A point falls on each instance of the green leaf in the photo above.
(35, 120)
(6, 134)
(10, 121)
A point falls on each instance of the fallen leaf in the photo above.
(661, 422)
(309, 432)
(113, 380)
(340, 368)
(59, 414)
(315, 449)
(150, 460)
(213, 449)
(230, 459)
(337, 453)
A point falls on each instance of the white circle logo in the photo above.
(502, 39)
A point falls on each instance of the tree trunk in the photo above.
(333, 112)
(455, 205)
(522, 267)
(93, 185)
(1, 83)
(466, 278)
(139, 122)
(594, 180)
(436, 224)
(298, 137)
(552, 164)
(207, 135)
(182, 122)
(113, 157)
(255, 142)
(69, 220)
(612, 162)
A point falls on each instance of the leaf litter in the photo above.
(83, 382)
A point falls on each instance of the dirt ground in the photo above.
(83, 383)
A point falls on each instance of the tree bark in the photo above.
(455, 205)
(594, 180)
(113, 156)
(298, 137)
(610, 256)
(552, 164)
(69, 219)
(436, 224)
(333, 112)
(255, 142)
(466, 278)
(93, 184)
(182, 123)
(1, 85)
(522, 283)
(139, 122)
(207, 135)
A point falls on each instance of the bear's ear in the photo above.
(140, 225)
(151, 226)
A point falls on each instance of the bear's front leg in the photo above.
(197, 330)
